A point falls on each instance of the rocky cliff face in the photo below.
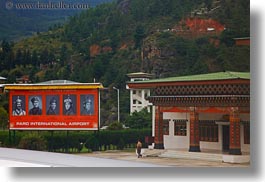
(96, 50)
(197, 27)
(156, 59)
(165, 52)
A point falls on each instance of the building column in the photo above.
(194, 131)
(153, 120)
(159, 141)
(234, 119)
(131, 101)
(147, 102)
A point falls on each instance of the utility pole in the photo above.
(118, 93)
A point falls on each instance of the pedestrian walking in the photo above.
(139, 148)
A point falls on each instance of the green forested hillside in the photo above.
(105, 43)
(16, 24)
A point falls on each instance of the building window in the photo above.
(208, 131)
(246, 125)
(166, 126)
(180, 127)
(134, 92)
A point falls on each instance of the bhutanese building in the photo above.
(200, 112)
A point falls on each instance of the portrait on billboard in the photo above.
(18, 105)
(35, 105)
(87, 104)
(69, 105)
(52, 105)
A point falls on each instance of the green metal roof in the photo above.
(203, 77)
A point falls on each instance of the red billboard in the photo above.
(54, 109)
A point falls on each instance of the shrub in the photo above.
(33, 142)
(115, 126)
(121, 144)
(59, 142)
(139, 120)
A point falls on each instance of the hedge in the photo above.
(60, 141)
(33, 142)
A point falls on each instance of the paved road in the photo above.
(171, 162)
(27, 158)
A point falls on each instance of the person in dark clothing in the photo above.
(36, 110)
(52, 107)
(87, 107)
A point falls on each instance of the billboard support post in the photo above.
(118, 100)
(14, 137)
(9, 137)
(52, 150)
(67, 141)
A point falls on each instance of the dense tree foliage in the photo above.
(3, 118)
(115, 126)
(18, 23)
(139, 120)
(105, 43)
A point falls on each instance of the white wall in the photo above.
(176, 142)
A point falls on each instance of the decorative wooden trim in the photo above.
(202, 101)
(180, 120)
(158, 140)
(212, 109)
(208, 130)
(178, 83)
(194, 131)
(213, 89)
(180, 127)
(234, 119)
(174, 109)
